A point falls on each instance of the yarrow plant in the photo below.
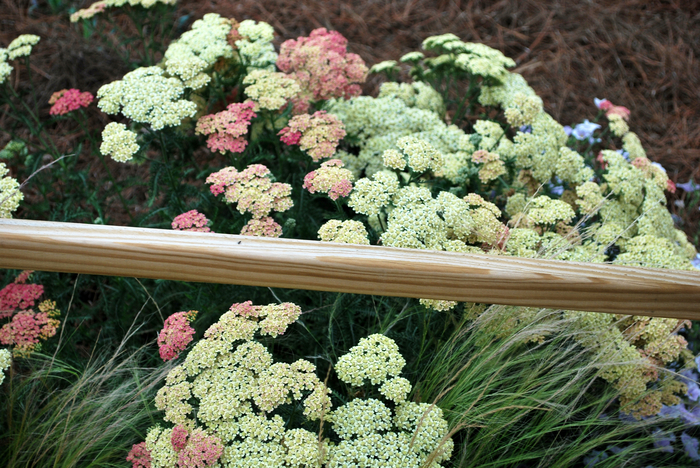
(224, 403)
(322, 66)
(27, 327)
(176, 334)
(193, 220)
(68, 100)
(226, 129)
(317, 134)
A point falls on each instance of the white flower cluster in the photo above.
(146, 96)
(255, 47)
(345, 232)
(10, 196)
(270, 90)
(370, 434)
(5, 362)
(198, 49)
(102, 5)
(118, 142)
(21, 46)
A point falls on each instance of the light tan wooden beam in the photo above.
(284, 263)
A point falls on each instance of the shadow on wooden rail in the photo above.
(321, 266)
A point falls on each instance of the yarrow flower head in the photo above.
(317, 134)
(253, 42)
(139, 456)
(176, 334)
(270, 90)
(5, 362)
(28, 327)
(99, 7)
(118, 142)
(345, 232)
(146, 96)
(252, 189)
(5, 68)
(21, 46)
(420, 155)
(193, 220)
(198, 49)
(322, 67)
(375, 358)
(330, 178)
(227, 128)
(10, 195)
(262, 227)
(68, 100)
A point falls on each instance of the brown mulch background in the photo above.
(637, 53)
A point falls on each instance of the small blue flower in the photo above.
(584, 131)
(663, 442)
(528, 129)
(691, 446)
(689, 186)
(624, 154)
(696, 264)
(594, 458)
(567, 130)
(659, 166)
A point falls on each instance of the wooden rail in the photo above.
(255, 261)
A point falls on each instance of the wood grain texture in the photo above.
(284, 263)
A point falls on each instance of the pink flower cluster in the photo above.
(263, 227)
(330, 178)
(252, 190)
(611, 109)
(68, 100)
(27, 327)
(317, 134)
(193, 220)
(139, 456)
(176, 334)
(226, 128)
(322, 67)
(19, 295)
(196, 449)
(275, 317)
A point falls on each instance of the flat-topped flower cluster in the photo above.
(223, 401)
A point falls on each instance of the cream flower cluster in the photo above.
(5, 362)
(252, 189)
(254, 44)
(371, 433)
(102, 5)
(236, 389)
(270, 90)
(10, 195)
(146, 96)
(21, 46)
(198, 49)
(345, 232)
(118, 142)
(331, 178)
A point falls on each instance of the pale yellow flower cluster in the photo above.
(10, 196)
(270, 90)
(5, 68)
(524, 109)
(255, 47)
(370, 196)
(345, 232)
(102, 5)
(118, 142)
(417, 94)
(198, 49)
(632, 351)
(146, 96)
(370, 434)
(21, 46)
(5, 362)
